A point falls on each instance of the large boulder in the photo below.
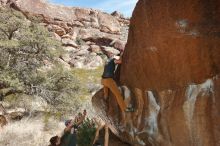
(170, 74)
(175, 45)
(108, 23)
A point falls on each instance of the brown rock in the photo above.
(57, 29)
(77, 24)
(94, 22)
(82, 14)
(101, 41)
(69, 42)
(46, 9)
(68, 17)
(67, 36)
(175, 57)
(69, 48)
(108, 23)
(95, 48)
(56, 36)
(16, 116)
(119, 45)
(3, 121)
(170, 74)
(110, 50)
(116, 14)
(90, 43)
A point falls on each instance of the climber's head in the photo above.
(55, 141)
(67, 122)
(110, 54)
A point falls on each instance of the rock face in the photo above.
(170, 73)
(76, 27)
(179, 44)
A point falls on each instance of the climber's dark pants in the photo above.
(109, 83)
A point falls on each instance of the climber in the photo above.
(109, 83)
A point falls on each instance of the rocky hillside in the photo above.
(171, 75)
(40, 80)
(86, 34)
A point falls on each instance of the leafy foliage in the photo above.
(86, 133)
(11, 21)
(28, 63)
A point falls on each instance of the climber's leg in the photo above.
(106, 90)
(97, 133)
(106, 135)
(110, 83)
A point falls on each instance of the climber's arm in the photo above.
(118, 61)
(81, 119)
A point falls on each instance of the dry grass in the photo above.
(29, 133)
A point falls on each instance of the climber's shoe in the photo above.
(129, 109)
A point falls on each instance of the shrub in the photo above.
(86, 133)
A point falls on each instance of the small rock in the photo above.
(58, 30)
(73, 33)
(77, 24)
(119, 45)
(68, 42)
(95, 48)
(66, 36)
(82, 52)
(86, 24)
(90, 43)
(110, 50)
(93, 54)
(69, 48)
(82, 14)
(117, 14)
(94, 22)
(84, 47)
(56, 36)
(3, 121)
(16, 116)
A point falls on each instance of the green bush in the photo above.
(86, 133)
(24, 46)
(28, 63)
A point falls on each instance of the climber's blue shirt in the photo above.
(109, 69)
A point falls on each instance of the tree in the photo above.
(29, 66)
(11, 21)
